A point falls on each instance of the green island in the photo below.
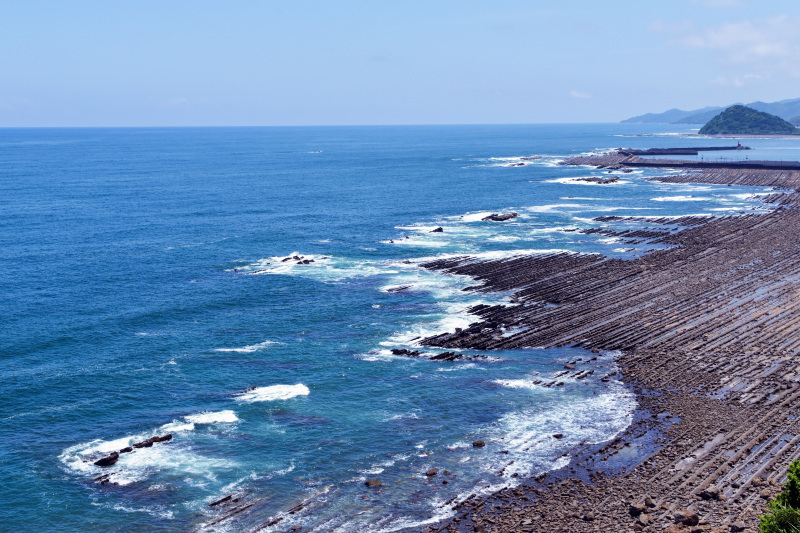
(739, 119)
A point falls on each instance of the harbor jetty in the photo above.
(681, 151)
(708, 331)
(622, 158)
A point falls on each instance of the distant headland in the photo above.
(788, 110)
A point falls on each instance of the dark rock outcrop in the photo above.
(108, 460)
(152, 440)
(408, 353)
(221, 500)
(500, 217)
(601, 181)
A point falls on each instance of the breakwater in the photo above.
(620, 159)
(681, 151)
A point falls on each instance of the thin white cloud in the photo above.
(178, 102)
(748, 51)
(769, 44)
(580, 95)
(737, 81)
(719, 3)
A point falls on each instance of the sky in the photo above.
(300, 62)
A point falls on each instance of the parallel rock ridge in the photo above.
(709, 331)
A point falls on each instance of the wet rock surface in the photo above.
(707, 331)
(113, 457)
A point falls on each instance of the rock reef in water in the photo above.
(600, 181)
(500, 217)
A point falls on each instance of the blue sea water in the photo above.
(144, 289)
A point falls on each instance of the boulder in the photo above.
(437, 230)
(432, 472)
(478, 444)
(710, 493)
(649, 502)
(558, 435)
(686, 517)
(373, 483)
(127, 449)
(635, 509)
(108, 460)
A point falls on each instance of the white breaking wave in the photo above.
(681, 199)
(143, 463)
(177, 426)
(273, 392)
(247, 349)
(515, 383)
(581, 181)
(220, 417)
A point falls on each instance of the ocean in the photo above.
(242, 289)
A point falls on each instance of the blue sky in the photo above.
(173, 63)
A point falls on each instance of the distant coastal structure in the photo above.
(739, 119)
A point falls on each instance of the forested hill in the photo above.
(740, 119)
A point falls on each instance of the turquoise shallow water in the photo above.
(144, 288)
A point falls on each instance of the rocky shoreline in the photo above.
(708, 331)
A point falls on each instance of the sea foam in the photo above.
(247, 349)
(220, 417)
(273, 392)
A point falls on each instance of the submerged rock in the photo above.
(373, 483)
